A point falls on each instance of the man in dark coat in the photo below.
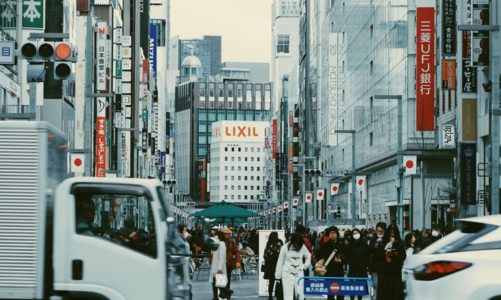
(335, 266)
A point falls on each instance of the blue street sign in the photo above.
(335, 286)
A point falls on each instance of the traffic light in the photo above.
(170, 181)
(63, 57)
(313, 172)
(63, 54)
(38, 51)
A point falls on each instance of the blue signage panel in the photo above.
(153, 49)
(331, 286)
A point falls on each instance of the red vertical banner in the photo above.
(274, 139)
(100, 146)
(425, 68)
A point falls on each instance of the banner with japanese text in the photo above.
(425, 68)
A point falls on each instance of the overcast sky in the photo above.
(245, 25)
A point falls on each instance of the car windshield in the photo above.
(457, 240)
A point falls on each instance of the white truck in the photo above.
(82, 237)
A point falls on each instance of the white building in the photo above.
(237, 161)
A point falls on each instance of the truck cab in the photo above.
(110, 239)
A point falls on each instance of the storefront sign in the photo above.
(425, 69)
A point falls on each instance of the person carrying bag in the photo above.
(321, 265)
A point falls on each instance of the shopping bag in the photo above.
(221, 280)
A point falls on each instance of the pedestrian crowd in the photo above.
(377, 254)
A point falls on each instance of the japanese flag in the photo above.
(295, 202)
(77, 163)
(410, 162)
(286, 204)
(308, 197)
(320, 195)
(360, 183)
(334, 188)
(279, 208)
(274, 209)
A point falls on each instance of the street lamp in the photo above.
(400, 166)
(353, 174)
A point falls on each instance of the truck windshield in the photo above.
(125, 219)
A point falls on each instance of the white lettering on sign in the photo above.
(32, 12)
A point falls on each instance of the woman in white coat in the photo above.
(218, 264)
(294, 258)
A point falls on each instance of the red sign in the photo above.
(335, 287)
(100, 146)
(449, 74)
(425, 68)
(274, 140)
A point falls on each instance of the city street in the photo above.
(247, 288)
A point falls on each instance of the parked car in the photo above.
(463, 265)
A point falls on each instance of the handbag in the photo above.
(321, 265)
(221, 280)
(279, 292)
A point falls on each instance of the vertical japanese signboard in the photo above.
(274, 138)
(467, 173)
(101, 56)
(425, 69)
(449, 27)
(100, 154)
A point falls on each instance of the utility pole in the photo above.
(400, 164)
(353, 175)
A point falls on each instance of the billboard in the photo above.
(425, 68)
(467, 173)
(239, 131)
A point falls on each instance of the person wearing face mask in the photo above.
(185, 235)
(436, 234)
(390, 285)
(376, 248)
(357, 257)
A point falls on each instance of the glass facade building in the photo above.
(207, 49)
(198, 105)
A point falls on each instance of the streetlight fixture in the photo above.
(400, 167)
(353, 174)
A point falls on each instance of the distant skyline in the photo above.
(245, 26)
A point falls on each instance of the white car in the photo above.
(465, 264)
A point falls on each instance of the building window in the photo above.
(245, 159)
(232, 159)
(232, 177)
(371, 139)
(239, 177)
(245, 168)
(225, 197)
(226, 149)
(226, 158)
(239, 158)
(283, 43)
(257, 187)
(258, 158)
(226, 168)
(245, 177)
(252, 168)
(239, 168)
(252, 177)
(232, 187)
(226, 177)
(258, 168)
(232, 168)
(225, 187)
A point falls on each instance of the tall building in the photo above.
(368, 60)
(198, 106)
(237, 159)
(284, 74)
(207, 49)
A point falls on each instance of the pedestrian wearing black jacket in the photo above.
(335, 266)
(357, 256)
(376, 248)
(390, 286)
